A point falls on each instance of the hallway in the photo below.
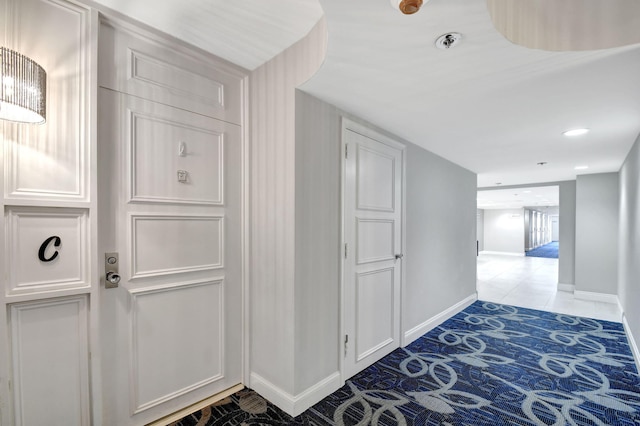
(531, 282)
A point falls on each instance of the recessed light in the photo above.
(498, 183)
(542, 163)
(526, 192)
(447, 41)
(575, 132)
(581, 167)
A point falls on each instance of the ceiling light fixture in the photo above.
(449, 40)
(575, 132)
(581, 167)
(23, 88)
(408, 7)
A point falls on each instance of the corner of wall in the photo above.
(294, 405)
(632, 341)
(421, 329)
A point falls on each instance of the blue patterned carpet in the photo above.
(488, 365)
(548, 250)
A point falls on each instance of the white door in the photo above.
(169, 206)
(373, 204)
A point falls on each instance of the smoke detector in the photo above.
(408, 7)
(448, 40)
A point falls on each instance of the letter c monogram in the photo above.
(43, 248)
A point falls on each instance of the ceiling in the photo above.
(490, 105)
(536, 197)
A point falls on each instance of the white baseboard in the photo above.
(417, 331)
(295, 405)
(504, 253)
(566, 287)
(632, 342)
(596, 297)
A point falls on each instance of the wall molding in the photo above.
(632, 342)
(596, 297)
(417, 331)
(294, 405)
(505, 253)
(566, 287)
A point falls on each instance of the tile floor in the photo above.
(531, 282)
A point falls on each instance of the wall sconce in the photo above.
(23, 88)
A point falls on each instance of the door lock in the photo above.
(112, 277)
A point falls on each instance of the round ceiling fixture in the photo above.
(448, 40)
(575, 132)
(408, 7)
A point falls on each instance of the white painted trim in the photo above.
(632, 342)
(596, 297)
(245, 231)
(621, 310)
(504, 253)
(342, 323)
(294, 405)
(419, 330)
(566, 287)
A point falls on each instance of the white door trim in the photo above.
(348, 124)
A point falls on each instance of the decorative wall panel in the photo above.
(374, 313)
(177, 334)
(51, 161)
(49, 346)
(47, 249)
(375, 240)
(375, 180)
(146, 68)
(175, 147)
(163, 245)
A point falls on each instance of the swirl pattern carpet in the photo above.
(490, 364)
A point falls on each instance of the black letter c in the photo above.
(43, 248)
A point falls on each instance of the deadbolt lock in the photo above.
(111, 273)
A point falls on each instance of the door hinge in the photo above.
(346, 151)
(345, 250)
(346, 341)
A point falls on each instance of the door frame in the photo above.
(347, 124)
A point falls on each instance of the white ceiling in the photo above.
(489, 105)
(537, 197)
(247, 33)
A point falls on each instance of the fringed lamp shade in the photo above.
(23, 88)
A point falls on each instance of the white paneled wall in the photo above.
(48, 256)
(273, 214)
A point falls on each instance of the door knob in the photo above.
(399, 256)
(113, 278)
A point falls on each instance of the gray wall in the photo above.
(440, 256)
(597, 233)
(317, 254)
(567, 241)
(480, 229)
(555, 228)
(528, 244)
(441, 236)
(504, 230)
(272, 214)
(629, 240)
